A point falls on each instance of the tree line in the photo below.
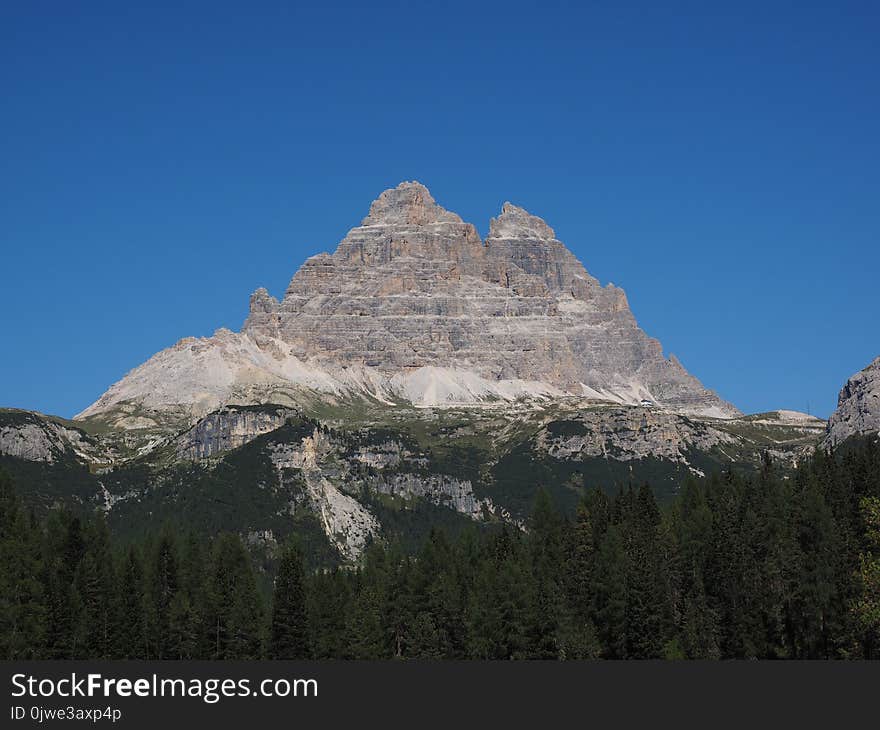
(738, 566)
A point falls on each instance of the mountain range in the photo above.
(418, 375)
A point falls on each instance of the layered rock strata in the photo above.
(413, 305)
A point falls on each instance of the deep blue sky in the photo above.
(718, 161)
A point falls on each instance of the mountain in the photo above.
(858, 406)
(413, 307)
(417, 377)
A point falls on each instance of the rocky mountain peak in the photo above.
(858, 406)
(413, 305)
(518, 223)
(409, 204)
(262, 300)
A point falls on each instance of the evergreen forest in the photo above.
(769, 565)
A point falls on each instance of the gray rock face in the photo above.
(228, 429)
(858, 406)
(28, 436)
(413, 286)
(346, 522)
(29, 441)
(333, 478)
(632, 433)
(442, 490)
(413, 305)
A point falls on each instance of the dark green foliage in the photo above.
(609, 589)
(131, 636)
(235, 611)
(328, 599)
(566, 429)
(95, 596)
(22, 600)
(164, 590)
(289, 635)
(516, 475)
(866, 607)
(766, 565)
(235, 494)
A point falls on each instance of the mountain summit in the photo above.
(414, 306)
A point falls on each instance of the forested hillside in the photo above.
(737, 566)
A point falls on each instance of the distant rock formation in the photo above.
(414, 306)
(858, 406)
(33, 437)
(227, 429)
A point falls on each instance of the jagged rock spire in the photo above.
(410, 203)
(516, 222)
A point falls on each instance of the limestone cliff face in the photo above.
(632, 433)
(414, 286)
(228, 429)
(334, 479)
(858, 406)
(31, 437)
(414, 305)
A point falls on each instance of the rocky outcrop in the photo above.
(346, 522)
(30, 441)
(412, 305)
(227, 429)
(31, 437)
(336, 472)
(858, 406)
(442, 490)
(630, 433)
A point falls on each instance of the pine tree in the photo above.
(164, 590)
(548, 612)
(699, 630)
(22, 613)
(581, 562)
(483, 614)
(434, 589)
(424, 639)
(62, 551)
(514, 594)
(780, 560)
(235, 615)
(183, 623)
(329, 599)
(98, 591)
(699, 633)
(364, 629)
(644, 597)
(866, 608)
(289, 634)
(815, 596)
(609, 591)
(87, 631)
(735, 566)
(132, 637)
(189, 607)
(579, 633)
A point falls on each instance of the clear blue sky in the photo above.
(718, 161)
